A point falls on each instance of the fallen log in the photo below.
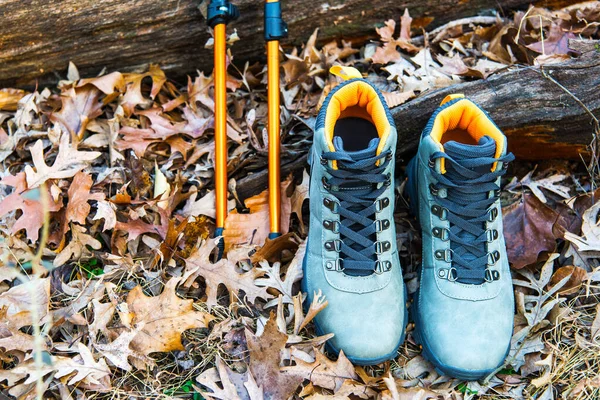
(38, 39)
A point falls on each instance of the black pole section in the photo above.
(221, 12)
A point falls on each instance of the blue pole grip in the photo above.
(275, 26)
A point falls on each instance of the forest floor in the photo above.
(108, 289)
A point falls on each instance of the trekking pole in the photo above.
(220, 12)
(275, 29)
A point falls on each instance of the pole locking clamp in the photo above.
(221, 12)
(275, 26)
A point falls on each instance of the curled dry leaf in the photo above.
(77, 247)
(576, 277)
(79, 195)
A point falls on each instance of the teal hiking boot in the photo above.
(351, 255)
(464, 309)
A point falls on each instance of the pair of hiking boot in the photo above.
(463, 310)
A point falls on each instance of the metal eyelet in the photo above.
(439, 212)
(491, 235)
(491, 275)
(448, 273)
(443, 255)
(381, 204)
(441, 233)
(382, 266)
(389, 157)
(332, 205)
(452, 274)
(323, 161)
(388, 180)
(431, 163)
(336, 265)
(382, 225)
(494, 257)
(326, 184)
(331, 225)
(333, 245)
(433, 190)
(493, 213)
(381, 247)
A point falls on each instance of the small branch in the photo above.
(478, 20)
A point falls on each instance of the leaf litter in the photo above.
(108, 283)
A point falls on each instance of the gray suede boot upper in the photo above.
(464, 308)
(351, 254)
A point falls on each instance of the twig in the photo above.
(459, 22)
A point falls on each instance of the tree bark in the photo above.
(39, 38)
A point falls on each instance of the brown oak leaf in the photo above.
(30, 204)
(322, 371)
(79, 195)
(68, 162)
(79, 106)
(265, 359)
(164, 319)
(531, 227)
(223, 272)
(133, 95)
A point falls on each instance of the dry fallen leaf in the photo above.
(253, 228)
(79, 195)
(577, 276)
(133, 95)
(265, 359)
(9, 98)
(29, 202)
(68, 162)
(323, 372)
(530, 227)
(273, 279)
(77, 247)
(119, 351)
(164, 318)
(223, 272)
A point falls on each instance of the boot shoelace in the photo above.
(357, 185)
(467, 206)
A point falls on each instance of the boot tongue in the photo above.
(369, 151)
(459, 152)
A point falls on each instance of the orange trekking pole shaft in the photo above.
(275, 29)
(220, 12)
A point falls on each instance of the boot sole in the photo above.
(355, 360)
